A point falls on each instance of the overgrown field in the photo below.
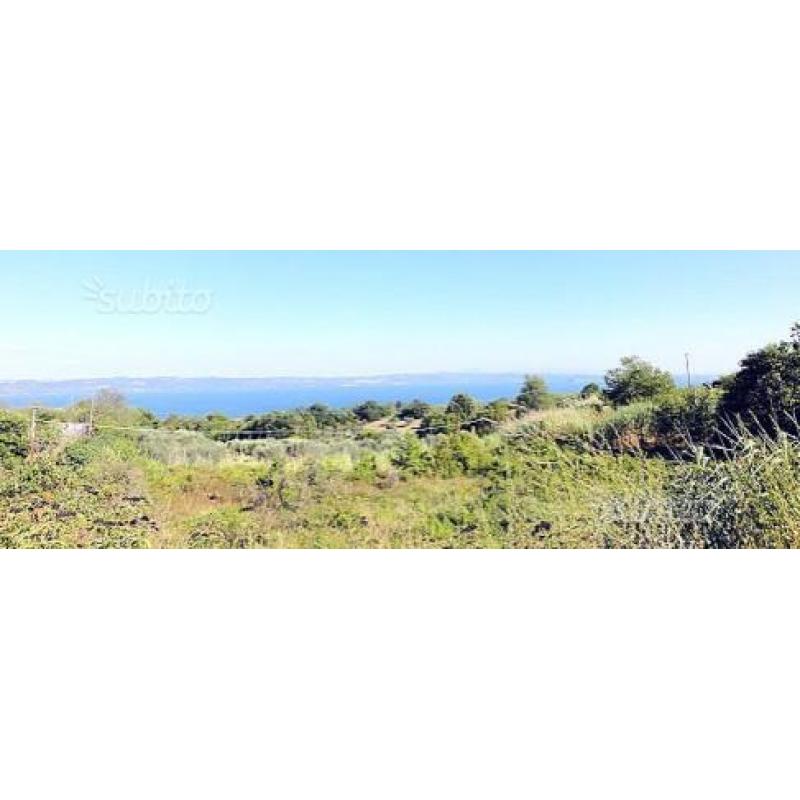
(637, 464)
(563, 478)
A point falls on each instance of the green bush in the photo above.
(461, 454)
(181, 447)
(635, 380)
(534, 395)
(629, 429)
(765, 393)
(416, 409)
(13, 437)
(686, 417)
(372, 411)
(366, 468)
(412, 457)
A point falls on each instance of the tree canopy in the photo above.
(766, 389)
(534, 394)
(372, 411)
(636, 379)
(463, 407)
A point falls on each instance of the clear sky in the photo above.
(67, 315)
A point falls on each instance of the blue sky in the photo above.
(362, 313)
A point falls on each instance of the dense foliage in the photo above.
(765, 393)
(635, 379)
(534, 395)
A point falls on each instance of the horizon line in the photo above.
(351, 377)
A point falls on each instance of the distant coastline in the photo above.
(242, 396)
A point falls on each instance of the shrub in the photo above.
(372, 411)
(13, 437)
(181, 447)
(765, 392)
(463, 408)
(629, 428)
(636, 379)
(366, 468)
(416, 409)
(534, 394)
(461, 453)
(411, 456)
(686, 417)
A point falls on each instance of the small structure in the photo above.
(76, 430)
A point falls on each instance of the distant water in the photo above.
(240, 398)
(241, 401)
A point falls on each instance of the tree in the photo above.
(416, 409)
(463, 407)
(109, 407)
(110, 400)
(372, 411)
(766, 389)
(534, 394)
(437, 421)
(326, 418)
(636, 379)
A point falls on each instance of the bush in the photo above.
(765, 393)
(635, 380)
(498, 411)
(49, 503)
(181, 447)
(629, 428)
(462, 408)
(13, 437)
(416, 409)
(534, 394)
(372, 411)
(686, 417)
(366, 468)
(412, 457)
(461, 453)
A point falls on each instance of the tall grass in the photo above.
(744, 493)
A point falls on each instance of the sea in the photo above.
(240, 398)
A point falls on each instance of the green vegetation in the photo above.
(13, 438)
(765, 392)
(634, 380)
(534, 395)
(638, 463)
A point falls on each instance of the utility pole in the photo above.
(33, 431)
(91, 417)
(688, 371)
